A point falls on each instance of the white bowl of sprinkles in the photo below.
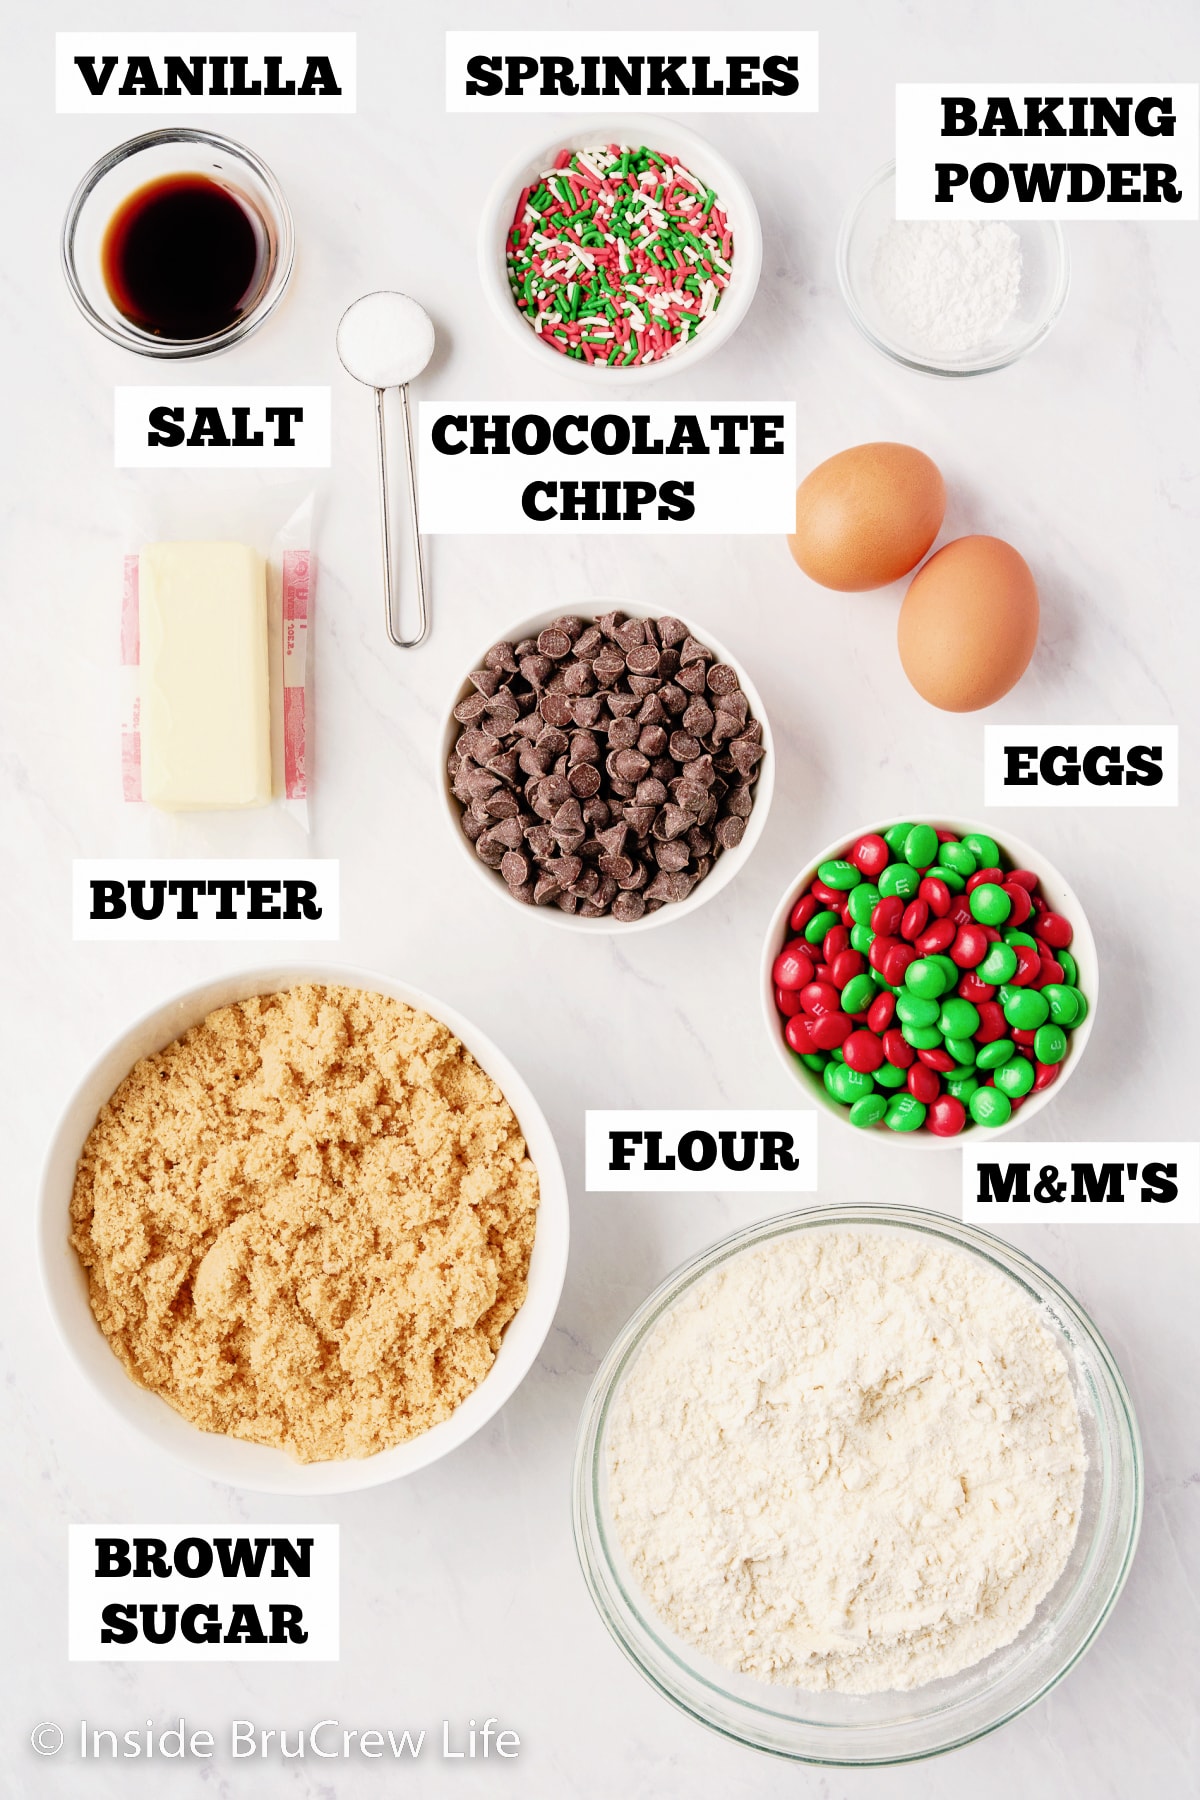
(580, 326)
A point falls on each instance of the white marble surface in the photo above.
(461, 1594)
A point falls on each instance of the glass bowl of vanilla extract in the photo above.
(178, 243)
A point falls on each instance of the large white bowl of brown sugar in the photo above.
(304, 1228)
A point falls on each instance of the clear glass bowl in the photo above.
(865, 1730)
(130, 166)
(1045, 279)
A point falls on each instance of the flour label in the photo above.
(700, 1152)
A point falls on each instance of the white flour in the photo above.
(950, 286)
(848, 1459)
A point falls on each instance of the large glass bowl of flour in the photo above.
(830, 1725)
(949, 299)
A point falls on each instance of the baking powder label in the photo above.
(191, 427)
(700, 1152)
(202, 1593)
(199, 72)
(640, 470)
(631, 71)
(1055, 149)
(1081, 765)
(1053, 1183)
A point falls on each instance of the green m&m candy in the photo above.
(819, 924)
(895, 837)
(887, 1075)
(858, 994)
(869, 1110)
(1064, 1004)
(1066, 963)
(927, 978)
(861, 938)
(904, 1113)
(1025, 1008)
(1050, 1043)
(987, 1106)
(901, 879)
(962, 1087)
(847, 1085)
(839, 874)
(984, 849)
(992, 1055)
(957, 1019)
(862, 901)
(989, 903)
(816, 1060)
(921, 846)
(999, 965)
(962, 1050)
(1015, 1077)
(922, 1037)
(957, 858)
(912, 1010)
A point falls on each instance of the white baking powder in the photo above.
(848, 1459)
(949, 286)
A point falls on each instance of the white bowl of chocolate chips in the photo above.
(609, 769)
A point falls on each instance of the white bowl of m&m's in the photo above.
(923, 978)
(624, 249)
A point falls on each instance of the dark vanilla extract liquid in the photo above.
(184, 257)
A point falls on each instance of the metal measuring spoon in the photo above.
(385, 340)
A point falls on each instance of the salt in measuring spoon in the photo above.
(385, 340)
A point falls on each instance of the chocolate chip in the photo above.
(585, 780)
(602, 767)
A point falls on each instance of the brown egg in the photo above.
(867, 516)
(969, 624)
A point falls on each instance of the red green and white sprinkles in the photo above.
(618, 255)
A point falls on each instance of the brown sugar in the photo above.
(308, 1221)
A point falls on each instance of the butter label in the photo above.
(207, 900)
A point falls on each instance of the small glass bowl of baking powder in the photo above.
(949, 297)
(901, 1725)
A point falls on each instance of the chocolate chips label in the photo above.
(1049, 1183)
(1081, 765)
(1061, 150)
(700, 1152)
(198, 72)
(631, 71)
(221, 427)
(123, 900)
(640, 469)
(202, 1593)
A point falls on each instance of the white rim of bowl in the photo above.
(587, 1523)
(907, 359)
(764, 787)
(351, 1474)
(178, 349)
(1077, 1040)
(747, 261)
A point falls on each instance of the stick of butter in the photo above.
(205, 688)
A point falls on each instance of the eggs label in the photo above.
(685, 1152)
(194, 72)
(1058, 150)
(209, 900)
(644, 469)
(692, 71)
(202, 1593)
(1081, 765)
(221, 427)
(1053, 1183)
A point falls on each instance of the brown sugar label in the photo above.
(202, 1593)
